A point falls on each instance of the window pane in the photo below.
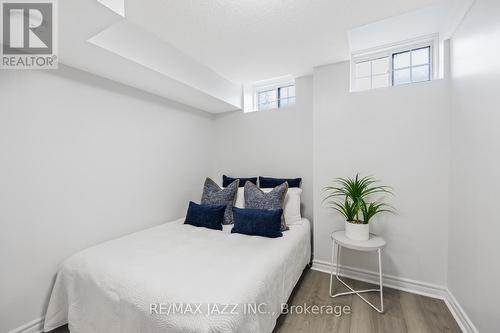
(286, 96)
(363, 83)
(401, 60)
(363, 69)
(380, 66)
(420, 73)
(267, 99)
(262, 97)
(283, 92)
(380, 81)
(401, 76)
(420, 56)
(267, 106)
(287, 102)
(267, 96)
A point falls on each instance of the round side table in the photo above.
(375, 243)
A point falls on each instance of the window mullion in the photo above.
(391, 70)
(411, 65)
(278, 95)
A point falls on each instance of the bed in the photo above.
(179, 278)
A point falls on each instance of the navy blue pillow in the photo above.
(257, 222)
(208, 216)
(226, 181)
(267, 182)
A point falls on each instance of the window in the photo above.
(372, 74)
(274, 93)
(275, 97)
(411, 66)
(393, 66)
(268, 99)
(286, 96)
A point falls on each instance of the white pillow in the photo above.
(240, 198)
(291, 208)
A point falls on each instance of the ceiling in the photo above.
(250, 40)
(84, 24)
(439, 20)
(201, 53)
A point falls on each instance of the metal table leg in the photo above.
(352, 291)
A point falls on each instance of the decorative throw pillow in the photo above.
(214, 195)
(291, 207)
(207, 216)
(255, 198)
(268, 182)
(257, 222)
(228, 180)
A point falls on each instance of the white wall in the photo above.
(474, 246)
(401, 136)
(275, 143)
(83, 160)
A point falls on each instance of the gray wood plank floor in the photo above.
(404, 312)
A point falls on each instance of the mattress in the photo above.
(179, 278)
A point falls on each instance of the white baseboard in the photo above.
(413, 286)
(404, 284)
(34, 326)
(458, 312)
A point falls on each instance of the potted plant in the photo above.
(350, 197)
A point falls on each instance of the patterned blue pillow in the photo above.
(255, 198)
(257, 222)
(207, 216)
(214, 195)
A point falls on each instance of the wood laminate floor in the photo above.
(404, 312)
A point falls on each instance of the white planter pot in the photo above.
(359, 232)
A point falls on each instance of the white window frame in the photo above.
(431, 41)
(389, 72)
(411, 64)
(273, 86)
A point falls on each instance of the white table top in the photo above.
(373, 244)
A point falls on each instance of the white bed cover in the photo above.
(207, 277)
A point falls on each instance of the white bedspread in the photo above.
(111, 287)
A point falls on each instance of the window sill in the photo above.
(400, 85)
(273, 109)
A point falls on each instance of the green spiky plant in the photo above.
(371, 209)
(349, 196)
